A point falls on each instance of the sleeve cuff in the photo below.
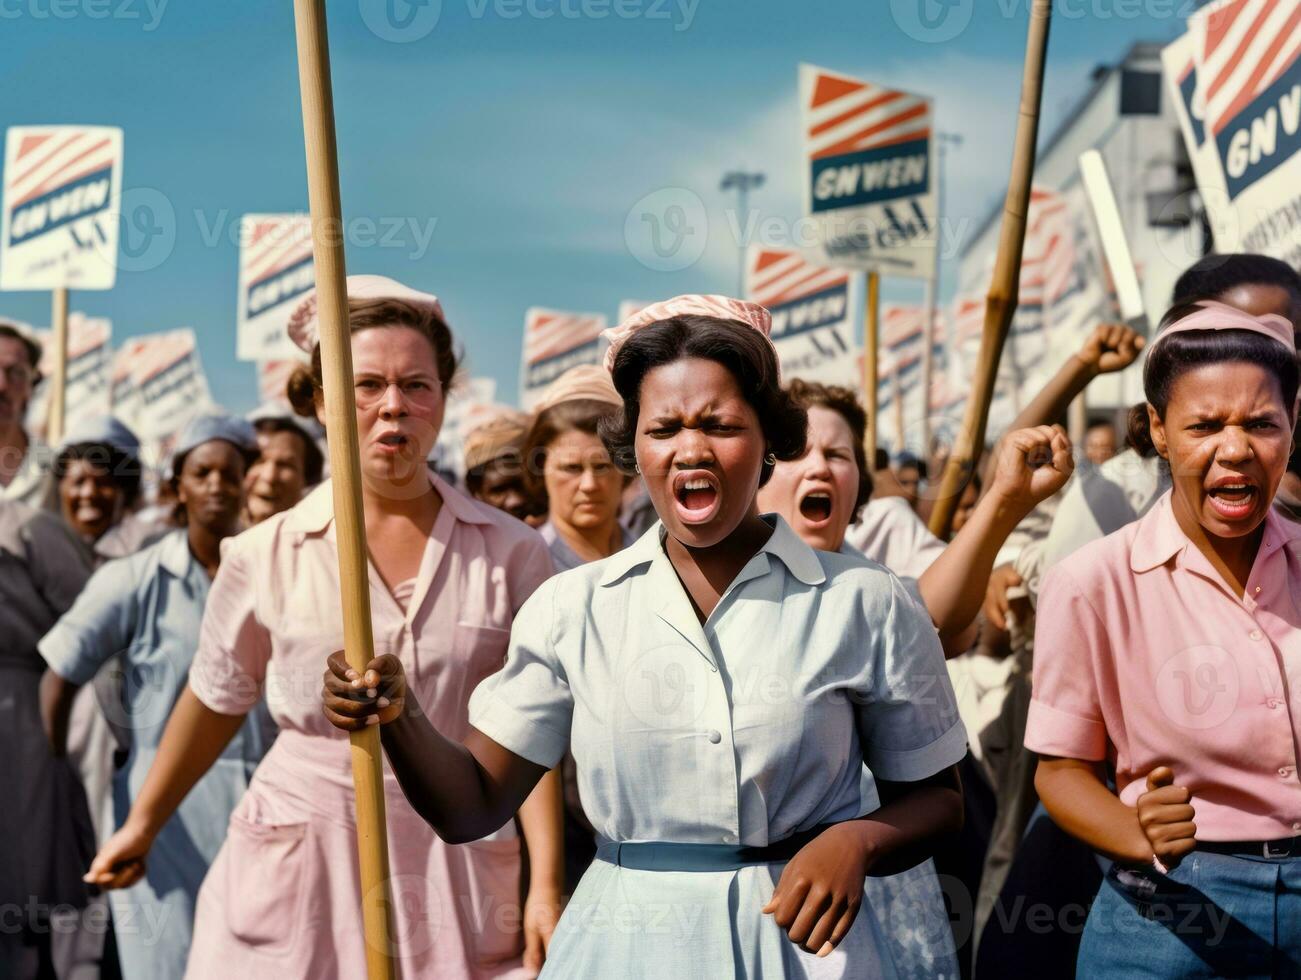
(63, 654)
(514, 731)
(1051, 731)
(921, 763)
(239, 697)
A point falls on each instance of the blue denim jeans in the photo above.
(1215, 915)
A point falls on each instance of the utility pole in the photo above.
(742, 182)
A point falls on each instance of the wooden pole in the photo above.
(928, 354)
(1077, 420)
(54, 421)
(345, 471)
(898, 414)
(1001, 302)
(871, 364)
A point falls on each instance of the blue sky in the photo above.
(491, 151)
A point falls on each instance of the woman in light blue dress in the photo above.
(720, 685)
(820, 495)
(145, 609)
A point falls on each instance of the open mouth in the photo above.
(1233, 500)
(393, 440)
(697, 498)
(816, 507)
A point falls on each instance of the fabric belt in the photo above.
(1285, 847)
(672, 856)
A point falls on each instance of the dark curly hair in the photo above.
(747, 354)
(30, 347)
(365, 314)
(122, 469)
(1170, 359)
(844, 402)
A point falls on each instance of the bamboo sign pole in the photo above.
(341, 422)
(1001, 302)
(871, 363)
(59, 376)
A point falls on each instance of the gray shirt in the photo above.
(42, 569)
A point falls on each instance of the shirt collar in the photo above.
(1160, 537)
(315, 512)
(174, 554)
(784, 544)
(31, 472)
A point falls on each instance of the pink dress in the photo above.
(281, 900)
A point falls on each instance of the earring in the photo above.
(636, 469)
(771, 459)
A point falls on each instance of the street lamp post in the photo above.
(742, 182)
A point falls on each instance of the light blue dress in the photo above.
(910, 905)
(746, 729)
(145, 610)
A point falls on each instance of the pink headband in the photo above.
(723, 307)
(1211, 315)
(305, 329)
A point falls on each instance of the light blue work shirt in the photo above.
(145, 610)
(745, 729)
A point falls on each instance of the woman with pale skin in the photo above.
(820, 494)
(447, 575)
(1163, 661)
(720, 684)
(566, 462)
(288, 463)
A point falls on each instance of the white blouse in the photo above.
(746, 729)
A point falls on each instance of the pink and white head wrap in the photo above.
(305, 329)
(1211, 315)
(723, 307)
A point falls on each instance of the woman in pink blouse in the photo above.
(447, 576)
(1166, 661)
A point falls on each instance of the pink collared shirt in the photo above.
(1145, 657)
